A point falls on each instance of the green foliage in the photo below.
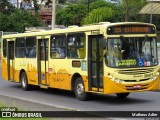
(98, 4)
(6, 7)
(132, 8)
(71, 15)
(83, 1)
(100, 10)
(36, 6)
(18, 20)
(104, 11)
(99, 15)
(62, 1)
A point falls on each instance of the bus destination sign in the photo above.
(131, 29)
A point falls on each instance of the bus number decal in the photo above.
(76, 64)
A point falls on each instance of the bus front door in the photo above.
(10, 60)
(95, 62)
(42, 62)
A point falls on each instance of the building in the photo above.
(45, 11)
(15, 2)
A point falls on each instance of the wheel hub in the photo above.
(23, 82)
(80, 89)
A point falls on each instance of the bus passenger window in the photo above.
(58, 46)
(32, 53)
(30, 47)
(76, 45)
(4, 48)
(20, 48)
(20, 53)
(81, 53)
(73, 53)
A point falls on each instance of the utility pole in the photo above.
(151, 15)
(18, 4)
(88, 6)
(126, 17)
(53, 13)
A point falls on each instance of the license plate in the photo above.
(137, 86)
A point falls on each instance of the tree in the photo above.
(104, 11)
(62, 1)
(18, 20)
(98, 4)
(99, 15)
(6, 6)
(36, 6)
(132, 8)
(71, 15)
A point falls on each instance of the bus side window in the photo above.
(20, 53)
(58, 46)
(76, 45)
(4, 48)
(73, 53)
(30, 47)
(20, 48)
(81, 53)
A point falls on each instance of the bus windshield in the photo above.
(126, 52)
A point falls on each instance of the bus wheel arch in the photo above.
(24, 80)
(79, 88)
(73, 80)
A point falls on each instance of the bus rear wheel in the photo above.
(80, 90)
(122, 95)
(24, 82)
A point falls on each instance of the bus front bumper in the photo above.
(111, 87)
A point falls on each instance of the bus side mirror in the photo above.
(104, 43)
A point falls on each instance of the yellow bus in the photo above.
(104, 58)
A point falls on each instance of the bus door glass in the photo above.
(95, 62)
(43, 61)
(10, 60)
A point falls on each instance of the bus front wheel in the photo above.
(122, 95)
(80, 90)
(24, 82)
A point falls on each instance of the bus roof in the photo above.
(73, 29)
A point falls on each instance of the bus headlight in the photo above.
(120, 81)
(154, 77)
(110, 76)
(157, 74)
(117, 80)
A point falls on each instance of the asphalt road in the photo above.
(53, 98)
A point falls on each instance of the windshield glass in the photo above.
(131, 52)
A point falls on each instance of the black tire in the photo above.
(122, 95)
(79, 89)
(24, 82)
